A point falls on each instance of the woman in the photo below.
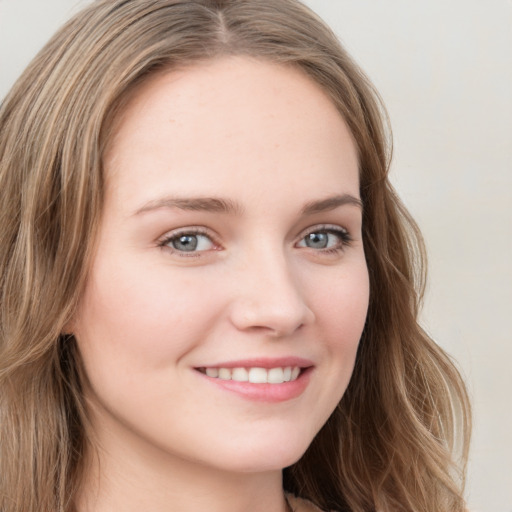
(209, 289)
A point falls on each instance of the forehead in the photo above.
(234, 116)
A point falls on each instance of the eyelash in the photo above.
(345, 239)
(343, 235)
(164, 243)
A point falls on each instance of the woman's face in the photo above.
(229, 289)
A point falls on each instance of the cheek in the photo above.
(140, 319)
(342, 303)
(341, 312)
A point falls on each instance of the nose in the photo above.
(269, 298)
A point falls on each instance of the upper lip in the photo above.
(263, 362)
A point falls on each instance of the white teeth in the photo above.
(258, 375)
(275, 376)
(212, 372)
(255, 375)
(224, 373)
(240, 375)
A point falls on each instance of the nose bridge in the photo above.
(270, 295)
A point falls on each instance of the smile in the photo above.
(255, 375)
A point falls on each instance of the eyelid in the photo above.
(333, 228)
(342, 232)
(164, 241)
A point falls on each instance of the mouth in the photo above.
(270, 380)
(254, 375)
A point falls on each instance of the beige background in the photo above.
(444, 69)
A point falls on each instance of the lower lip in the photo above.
(271, 393)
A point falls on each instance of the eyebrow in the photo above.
(228, 206)
(205, 204)
(331, 203)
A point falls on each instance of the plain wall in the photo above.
(444, 70)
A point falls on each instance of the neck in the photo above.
(132, 480)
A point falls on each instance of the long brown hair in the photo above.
(398, 439)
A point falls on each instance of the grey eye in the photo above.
(190, 242)
(318, 240)
(324, 239)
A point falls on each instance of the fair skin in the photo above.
(230, 238)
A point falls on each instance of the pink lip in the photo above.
(270, 393)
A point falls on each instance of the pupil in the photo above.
(185, 243)
(317, 240)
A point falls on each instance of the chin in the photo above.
(265, 456)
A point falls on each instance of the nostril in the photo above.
(271, 316)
